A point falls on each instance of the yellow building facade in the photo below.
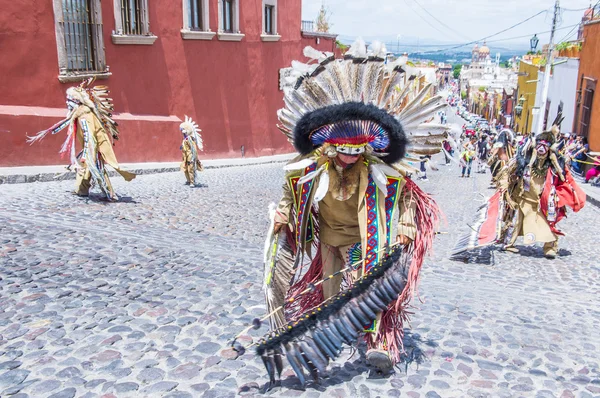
(526, 89)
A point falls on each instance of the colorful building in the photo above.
(222, 62)
(526, 94)
(586, 121)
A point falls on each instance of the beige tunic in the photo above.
(531, 223)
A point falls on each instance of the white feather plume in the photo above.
(300, 165)
(314, 54)
(323, 187)
(358, 49)
(380, 178)
(387, 170)
(272, 211)
(302, 68)
(310, 176)
(377, 49)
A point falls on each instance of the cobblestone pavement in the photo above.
(138, 298)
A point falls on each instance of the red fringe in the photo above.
(391, 329)
(308, 301)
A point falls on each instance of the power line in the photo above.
(489, 41)
(493, 35)
(538, 33)
(440, 22)
(572, 30)
(424, 19)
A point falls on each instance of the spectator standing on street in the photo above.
(580, 155)
(467, 156)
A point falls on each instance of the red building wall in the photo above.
(589, 73)
(231, 89)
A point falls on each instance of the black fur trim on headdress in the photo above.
(346, 112)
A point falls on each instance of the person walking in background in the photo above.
(191, 146)
(424, 160)
(467, 156)
(482, 153)
(448, 151)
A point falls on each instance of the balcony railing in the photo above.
(308, 26)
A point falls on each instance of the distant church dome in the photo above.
(484, 49)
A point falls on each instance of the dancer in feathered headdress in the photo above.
(89, 121)
(190, 149)
(347, 198)
(533, 192)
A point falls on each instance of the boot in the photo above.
(380, 359)
(550, 250)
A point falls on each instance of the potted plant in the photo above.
(576, 49)
(562, 48)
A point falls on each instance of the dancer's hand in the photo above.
(403, 240)
(277, 227)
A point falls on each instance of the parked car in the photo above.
(470, 130)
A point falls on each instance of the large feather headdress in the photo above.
(360, 105)
(191, 128)
(93, 97)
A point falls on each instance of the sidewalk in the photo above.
(592, 192)
(19, 175)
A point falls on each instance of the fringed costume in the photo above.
(351, 231)
(534, 190)
(191, 147)
(90, 124)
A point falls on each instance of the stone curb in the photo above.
(49, 177)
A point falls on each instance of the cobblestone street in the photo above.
(138, 298)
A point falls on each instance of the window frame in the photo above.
(266, 36)
(587, 104)
(145, 38)
(187, 32)
(69, 76)
(234, 34)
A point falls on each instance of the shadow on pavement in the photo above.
(413, 354)
(484, 256)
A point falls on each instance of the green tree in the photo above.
(456, 70)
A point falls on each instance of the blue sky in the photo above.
(465, 20)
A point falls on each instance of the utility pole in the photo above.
(546, 83)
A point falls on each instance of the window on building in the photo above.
(78, 35)
(131, 17)
(270, 21)
(586, 109)
(132, 22)
(79, 39)
(195, 14)
(195, 20)
(227, 15)
(229, 21)
(269, 11)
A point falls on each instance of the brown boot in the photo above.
(550, 250)
(380, 359)
(511, 249)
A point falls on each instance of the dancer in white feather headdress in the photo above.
(90, 125)
(191, 147)
(346, 197)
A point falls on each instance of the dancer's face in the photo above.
(346, 160)
(542, 148)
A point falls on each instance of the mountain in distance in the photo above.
(425, 46)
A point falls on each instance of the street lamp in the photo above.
(533, 42)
